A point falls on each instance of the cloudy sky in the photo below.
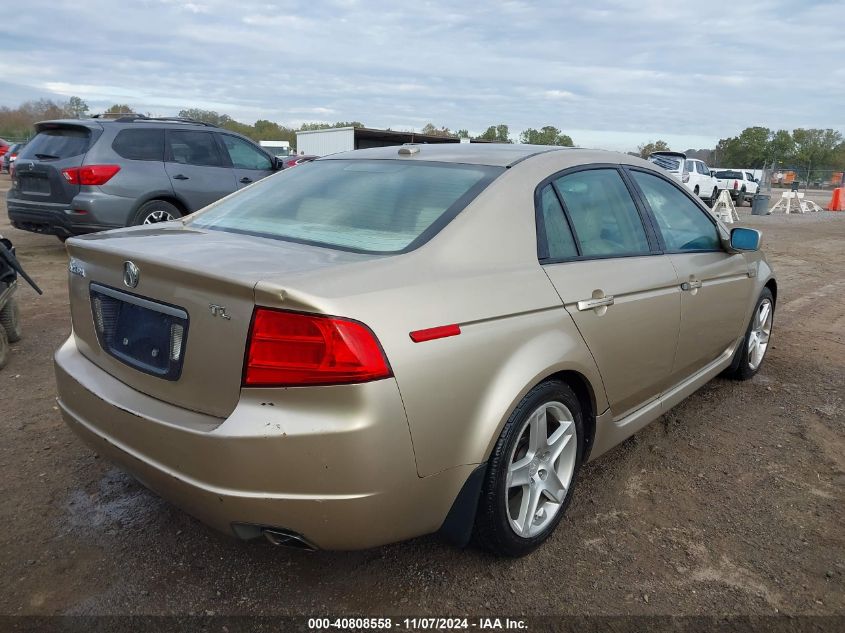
(612, 74)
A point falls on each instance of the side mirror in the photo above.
(278, 163)
(745, 239)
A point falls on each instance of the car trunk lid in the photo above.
(179, 334)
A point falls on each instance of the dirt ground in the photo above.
(731, 504)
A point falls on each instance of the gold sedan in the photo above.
(397, 341)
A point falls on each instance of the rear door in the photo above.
(621, 292)
(197, 171)
(715, 284)
(38, 168)
(250, 163)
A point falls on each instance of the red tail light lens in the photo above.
(90, 174)
(290, 349)
(736, 184)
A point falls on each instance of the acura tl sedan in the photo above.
(398, 341)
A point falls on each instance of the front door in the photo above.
(196, 168)
(623, 296)
(715, 286)
(250, 163)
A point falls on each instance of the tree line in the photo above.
(754, 148)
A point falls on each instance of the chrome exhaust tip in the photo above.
(286, 538)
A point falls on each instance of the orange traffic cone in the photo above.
(837, 201)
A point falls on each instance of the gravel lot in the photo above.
(730, 504)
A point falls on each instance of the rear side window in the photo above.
(683, 224)
(373, 206)
(559, 240)
(57, 144)
(140, 144)
(193, 148)
(603, 214)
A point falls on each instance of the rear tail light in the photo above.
(685, 177)
(90, 174)
(736, 184)
(290, 349)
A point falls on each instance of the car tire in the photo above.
(4, 348)
(156, 211)
(696, 190)
(551, 410)
(749, 357)
(10, 320)
(714, 195)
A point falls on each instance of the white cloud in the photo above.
(603, 72)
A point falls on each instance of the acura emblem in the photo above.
(131, 274)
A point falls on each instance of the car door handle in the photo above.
(246, 180)
(592, 304)
(692, 284)
(180, 177)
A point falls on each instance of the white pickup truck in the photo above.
(740, 183)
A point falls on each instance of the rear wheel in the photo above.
(531, 474)
(696, 190)
(10, 320)
(714, 195)
(749, 357)
(156, 211)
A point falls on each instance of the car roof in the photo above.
(492, 154)
(128, 121)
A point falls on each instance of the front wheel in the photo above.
(714, 195)
(532, 471)
(10, 320)
(749, 357)
(156, 211)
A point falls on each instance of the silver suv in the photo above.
(86, 175)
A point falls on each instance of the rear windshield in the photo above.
(669, 163)
(57, 144)
(728, 174)
(373, 206)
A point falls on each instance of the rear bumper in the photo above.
(333, 464)
(86, 213)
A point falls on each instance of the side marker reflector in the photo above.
(432, 333)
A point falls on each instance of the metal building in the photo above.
(343, 139)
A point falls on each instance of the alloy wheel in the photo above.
(540, 469)
(761, 330)
(154, 217)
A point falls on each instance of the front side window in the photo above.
(689, 166)
(245, 155)
(193, 148)
(603, 214)
(684, 225)
(374, 206)
(559, 238)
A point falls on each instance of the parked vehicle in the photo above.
(741, 184)
(294, 160)
(80, 176)
(10, 156)
(533, 305)
(4, 147)
(280, 149)
(693, 173)
(10, 326)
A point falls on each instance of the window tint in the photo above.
(193, 148)
(245, 155)
(376, 206)
(57, 144)
(703, 169)
(683, 223)
(140, 144)
(689, 165)
(603, 214)
(558, 236)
